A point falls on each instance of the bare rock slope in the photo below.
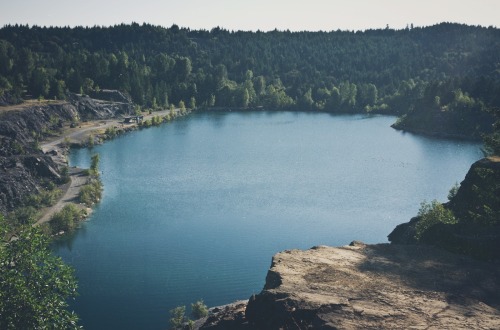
(372, 286)
(24, 168)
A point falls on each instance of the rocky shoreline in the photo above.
(35, 138)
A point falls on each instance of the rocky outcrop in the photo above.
(90, 108)
(24, 169)
(374, 287)
(477, 208)
(111, 95)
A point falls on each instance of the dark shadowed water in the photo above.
(197, 208)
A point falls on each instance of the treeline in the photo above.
(384, 71)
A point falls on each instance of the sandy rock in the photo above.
(376, 286)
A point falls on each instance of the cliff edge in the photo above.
(370, 286)
(412, 283)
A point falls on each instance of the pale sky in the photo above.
(264, 15)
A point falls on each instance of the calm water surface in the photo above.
(196, 208)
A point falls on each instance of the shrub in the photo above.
(431, 214)
(111, 132)
(64, 174)
(199, 310)
(178, 317)
(453, 191)
(90, 193)
(67, 219)
(23, 216)
(44, 198)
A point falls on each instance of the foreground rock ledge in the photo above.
(371, 286)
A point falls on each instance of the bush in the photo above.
(23, 216)
(111, 132)
(431, 214)
(91, 193)
(44, 198)
(453, 191)
(199, 310)
(67, 219)
(64, 174)
(178, 317)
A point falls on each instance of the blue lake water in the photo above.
(196, 208)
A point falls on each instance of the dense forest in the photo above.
(448, 71)
(443, 79)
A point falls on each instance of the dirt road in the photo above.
(77, 180)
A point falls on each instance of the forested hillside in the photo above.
(446, 70)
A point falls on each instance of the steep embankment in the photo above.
(24, 168)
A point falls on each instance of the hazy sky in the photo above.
(265, 15)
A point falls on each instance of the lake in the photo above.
(195, 209)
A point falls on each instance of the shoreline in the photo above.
(58, 149)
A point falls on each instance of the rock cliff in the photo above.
(476, 206)
(24, 169)
(413, 284)
(370, 287)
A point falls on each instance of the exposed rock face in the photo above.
(111, 95)
(90, 108)
(23, 167)
(376, 286)
(477, 208)
(478, 199)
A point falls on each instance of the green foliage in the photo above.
(431, 214)
(94, 165)
(182, 106)
(147, 123)
(91, 141)
(156, 120)
(64, 175)
(483, 204)
(34, 284)
(199, 310)
(66, 142)
(192, 103)
(453, 191)
(67, 219)
(44, 198)
(17, 148)
(179, 320)
(178, 317)
(492, 143)
(110, 132)
(91, 193)
(492, 140)
(24, 215)
(422, 72)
